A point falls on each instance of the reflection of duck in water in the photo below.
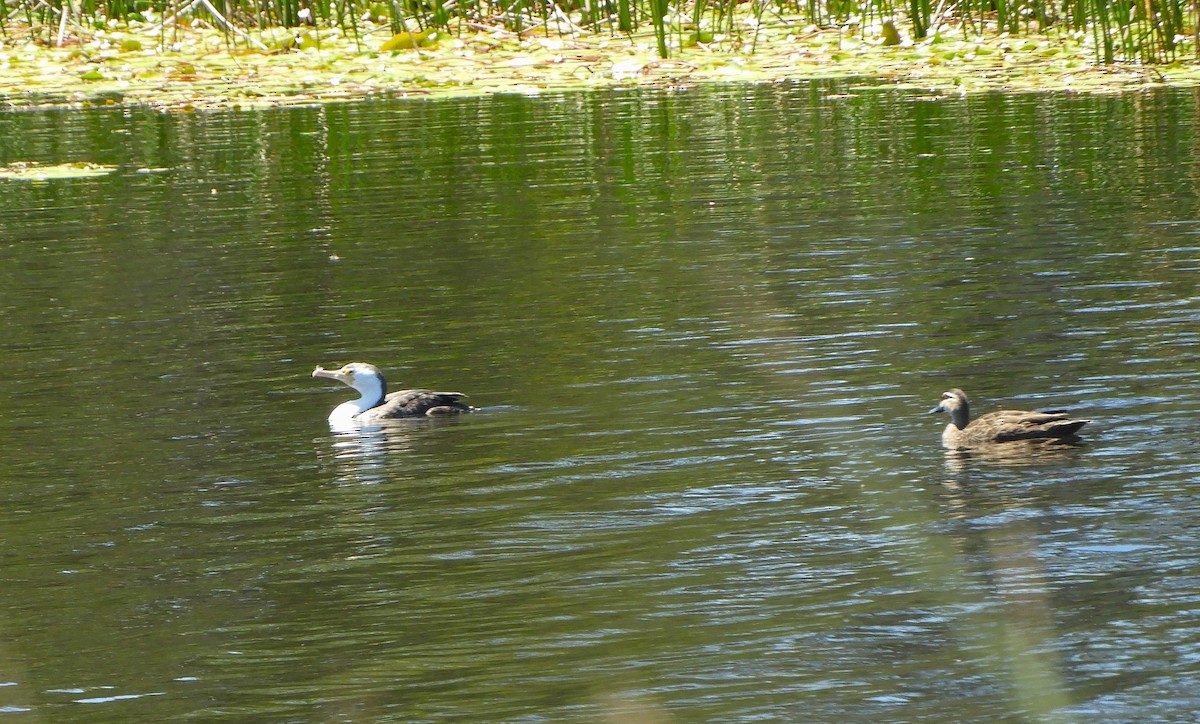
(1001, 426)
(374, 402)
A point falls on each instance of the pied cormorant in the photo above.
(375, 403)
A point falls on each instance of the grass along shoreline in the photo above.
(196, 65)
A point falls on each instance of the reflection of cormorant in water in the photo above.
(361, 453)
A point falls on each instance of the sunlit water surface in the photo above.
(704, 329)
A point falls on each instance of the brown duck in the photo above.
(1002, 425)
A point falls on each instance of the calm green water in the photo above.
(704, 328)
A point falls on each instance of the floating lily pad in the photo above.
(33, 171)
(407, 40)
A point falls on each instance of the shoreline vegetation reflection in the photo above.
(704, 330)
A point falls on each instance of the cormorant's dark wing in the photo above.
(420, 403)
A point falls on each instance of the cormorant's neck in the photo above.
(371, 393)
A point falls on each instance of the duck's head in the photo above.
(365, 378)
(952, 400)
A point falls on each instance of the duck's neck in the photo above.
(961, 416)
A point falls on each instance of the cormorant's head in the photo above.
(365, 378)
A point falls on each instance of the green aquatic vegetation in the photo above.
(201, 66)
(1148, 31)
